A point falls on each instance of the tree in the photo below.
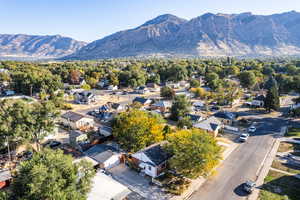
(247, 79)
(200, 92)
(271, 82)
(26, 122)
(195, 83)
(272, 101)
(52, 175)
(194, 151)
(167, 92)
(180, 107)
(185, 122)
(86, 87)
(74, 77)
(136, 129)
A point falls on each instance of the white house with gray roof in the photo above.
(211, 125)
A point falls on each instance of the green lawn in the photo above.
(293, 132)
(278, 186)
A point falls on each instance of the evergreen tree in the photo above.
(272, 99)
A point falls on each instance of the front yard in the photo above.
(278, 186)
(293, 132)
(288, 146)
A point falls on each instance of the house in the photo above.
(225, 117)
(104, 187)
(103, 83)
(211, 125)
(105, 131)
(172, 85)
(195, 118)
(143, 101)
(162, 106)
(105, 155)
(151, 160)
(112, 87)
(77, 120)
(184, 84)
(258, 101)
(153, 87)
(5, 178)
(117, 106)
(84, 97)
(8, 93)
(142, 90)
(198, 105)
(77, 139)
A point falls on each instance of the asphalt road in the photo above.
(241, 165)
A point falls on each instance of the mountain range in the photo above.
(36, 46)
(210, 34)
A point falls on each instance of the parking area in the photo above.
(138, 183)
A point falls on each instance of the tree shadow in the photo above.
(284, 185)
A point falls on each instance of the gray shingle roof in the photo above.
(72, 116)
(156, 154)
(210, 124)
(5, 175)
(101, 152)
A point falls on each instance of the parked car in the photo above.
(249, 186)
(244, 137)
(252, 129)
(214, 108)
(53, 144)
(25, 155)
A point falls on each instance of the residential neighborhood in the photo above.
(129, 139)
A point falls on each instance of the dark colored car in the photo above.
(25, 155)
(214, 108)
(53, 144)
(249, 186)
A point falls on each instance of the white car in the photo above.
(244, 137)
(251, 129)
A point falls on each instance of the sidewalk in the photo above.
(264, 169)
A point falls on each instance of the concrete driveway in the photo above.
(138, 183)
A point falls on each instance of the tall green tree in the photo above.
(194, 151)
(247, 79)
(52, 175)
(180, 107)
(21, 121)
(167, 92)
(272, 101)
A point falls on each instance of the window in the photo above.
(149, 168)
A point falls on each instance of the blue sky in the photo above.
(88, 20)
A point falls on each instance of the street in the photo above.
(243, 164)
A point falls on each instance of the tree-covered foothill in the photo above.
(180, 107)
(136, 129)
(194, 152)
(52, 175)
